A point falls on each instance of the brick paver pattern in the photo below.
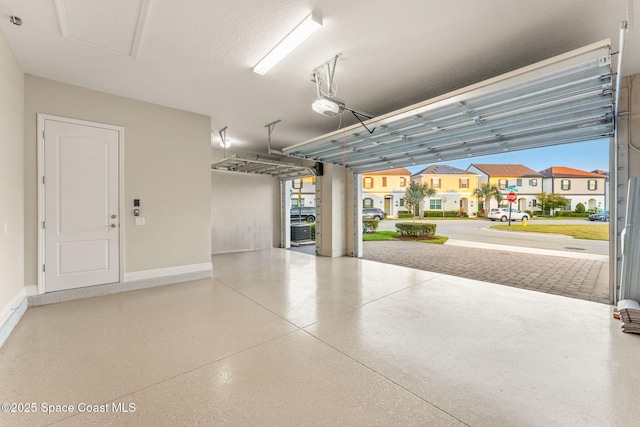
(572, 277)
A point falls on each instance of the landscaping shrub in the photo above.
(313, 231)
(405, 214)
(370, 225)
(438, 214)
(572, 214)
(580, 208)
(415, 229)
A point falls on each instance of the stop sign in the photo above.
(511, 197)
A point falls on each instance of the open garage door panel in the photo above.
(254, 165)
(565, 99)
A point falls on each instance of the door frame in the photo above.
(41, 194)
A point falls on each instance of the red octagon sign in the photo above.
(511, 197)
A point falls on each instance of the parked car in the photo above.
(502, 214)
(600, 216)
(304, 213)
(372, 213)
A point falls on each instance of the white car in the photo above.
(502, 214)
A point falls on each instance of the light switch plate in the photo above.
(139, 221)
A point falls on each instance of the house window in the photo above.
(403, 181)
(567, 207)
(435, 204)
(565, 184)
(464, 182)
(533, 182)
(534, 202)
(592, 184)
(367, 202)
(502, 184)
(435, 182)
(519, 182)
(384, 181)
(296, 202)
(367, 182)
(297, 184)
(401, 201)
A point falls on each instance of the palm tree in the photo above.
(486, 192)
(415, 193)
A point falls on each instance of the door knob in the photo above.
(113, 226)
(113, 216)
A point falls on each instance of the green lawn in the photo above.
(588, 232)
(392, 235)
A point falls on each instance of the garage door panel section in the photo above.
(561, 100)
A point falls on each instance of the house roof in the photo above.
(505, 170)
(396, 172)
(565, 172)
(442, 170)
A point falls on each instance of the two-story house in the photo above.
(576, 185)
(454, 188)
(523, 181)
(385, 190)
(303, 192)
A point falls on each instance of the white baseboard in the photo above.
(11, 314)
(28, 296)
(133, 281)
(170, 271)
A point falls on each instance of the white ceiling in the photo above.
(197, 55)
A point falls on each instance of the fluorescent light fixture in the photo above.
(299, 34)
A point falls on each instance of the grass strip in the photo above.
(586, 232)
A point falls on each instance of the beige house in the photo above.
(303, 192)
(454, 188)
(385, 190)
(523, 181)
(576, 185)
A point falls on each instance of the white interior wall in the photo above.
(166, 166)
(245, 210)
(332, 188)
(12, 283)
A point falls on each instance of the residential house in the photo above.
(576, 185)
(606, 190)
(454, 188)
(385, 190)
(303, 192)
(523, 181)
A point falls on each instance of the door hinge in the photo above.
(43, 179)
(43, 268)
(43, 135)
(43, 224)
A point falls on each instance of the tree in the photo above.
(550, 202)
(415, 193)
(485, 192)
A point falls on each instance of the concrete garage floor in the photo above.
(277, 337)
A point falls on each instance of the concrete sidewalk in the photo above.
(571, 274)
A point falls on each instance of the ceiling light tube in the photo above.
(299, 34)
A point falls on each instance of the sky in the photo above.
(587, 156)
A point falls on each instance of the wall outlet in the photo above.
(139, 221)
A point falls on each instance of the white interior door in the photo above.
(81, 196)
